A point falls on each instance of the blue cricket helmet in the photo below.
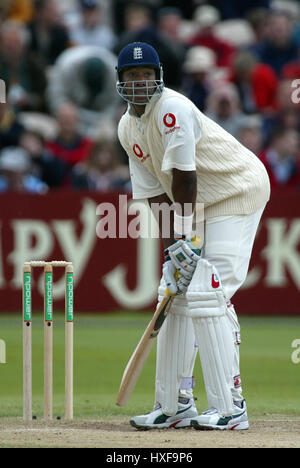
(138, 54)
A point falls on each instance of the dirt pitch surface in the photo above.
(270, 431)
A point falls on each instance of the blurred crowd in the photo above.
(239, 62)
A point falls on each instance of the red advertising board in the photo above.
(116, 273)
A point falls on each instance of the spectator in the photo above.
(101, 171)
(289, 7)
(289, 119)
(256, 82)
(170, 26)
(90, 30)
(206, 17)
(140, 27)
(250, 134)
(48, 35)
(199, 63)
(280, 47)
(11, 128)
(169, 22)
(119, 9)
(15, 172)
(281, 158)
(22, 72)
(45, 165)
(68, 148)
(258, 20)
(224, 107)
(136, 18)
(91, 72)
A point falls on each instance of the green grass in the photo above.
(103, 344)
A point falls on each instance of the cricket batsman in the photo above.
(179, 156)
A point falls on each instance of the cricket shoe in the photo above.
(158, 420)
(212, 419)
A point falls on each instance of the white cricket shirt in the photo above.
(173, 133)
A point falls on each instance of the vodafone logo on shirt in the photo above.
(169, 121)
(139, 152)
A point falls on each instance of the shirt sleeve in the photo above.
(180, 134)
(144, 184)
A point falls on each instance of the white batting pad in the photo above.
(207, 307)
(205, 294)
(176, 354)
(216, 355)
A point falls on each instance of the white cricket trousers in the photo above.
(228, 244)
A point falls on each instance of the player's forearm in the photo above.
(165, 223)
(184, 190)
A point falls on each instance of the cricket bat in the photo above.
(142, 351)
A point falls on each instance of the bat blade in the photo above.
(139, 356)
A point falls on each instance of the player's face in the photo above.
(140, 84)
